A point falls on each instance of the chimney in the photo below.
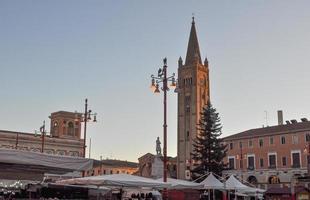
(280, 117)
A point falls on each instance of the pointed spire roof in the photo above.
(193, 51)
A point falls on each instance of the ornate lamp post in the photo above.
(43, 134)
(156, 80)
(86, 118)
(307, 153)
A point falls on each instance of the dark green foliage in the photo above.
(208, 148)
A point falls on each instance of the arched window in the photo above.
(70, 128)
(61, 152)
(64, 127)
(252, 180)
(55, 128)
(35, 149)
(74, 153)
(76, 129)
(49, 151)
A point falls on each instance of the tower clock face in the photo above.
(55, 124)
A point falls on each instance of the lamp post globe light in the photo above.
(155, 86)
(87, 116)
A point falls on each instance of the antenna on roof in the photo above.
(266, 118)
(89, 149)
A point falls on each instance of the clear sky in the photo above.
(54, 54)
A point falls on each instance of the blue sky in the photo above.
(54, 54)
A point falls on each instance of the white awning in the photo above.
(13, 156)
(182, 184)
(124, 180)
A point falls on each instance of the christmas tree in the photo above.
(208, 148)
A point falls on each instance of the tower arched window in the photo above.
(70, 128)
(55, 128)
(205, 81)
(187, 103)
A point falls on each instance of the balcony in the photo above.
(272, 166)
(296, 165)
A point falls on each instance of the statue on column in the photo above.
(158, 148)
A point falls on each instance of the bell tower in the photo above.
(193, 94)
(66, 125)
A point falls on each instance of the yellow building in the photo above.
(110, 166)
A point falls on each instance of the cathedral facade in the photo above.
(193, 94)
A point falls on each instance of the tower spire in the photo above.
(193, 52)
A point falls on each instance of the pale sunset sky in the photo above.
(55, 53)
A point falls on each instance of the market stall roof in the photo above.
(234, 184)
(211, 182)
(74, 174)
(124, 180)
(182, 184)
(53, 185)
(240, 194)
(12, 156)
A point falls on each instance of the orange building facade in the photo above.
(270, 156)
(109, 166)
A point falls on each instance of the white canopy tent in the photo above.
(234, 184)
(123, 180)
(211, 182)
(182, 184)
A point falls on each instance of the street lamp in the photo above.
(43, 133)
(86, 118)
(307, 153)
(156, 80)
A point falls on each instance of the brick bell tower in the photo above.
(193, 94)
(66, 125)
